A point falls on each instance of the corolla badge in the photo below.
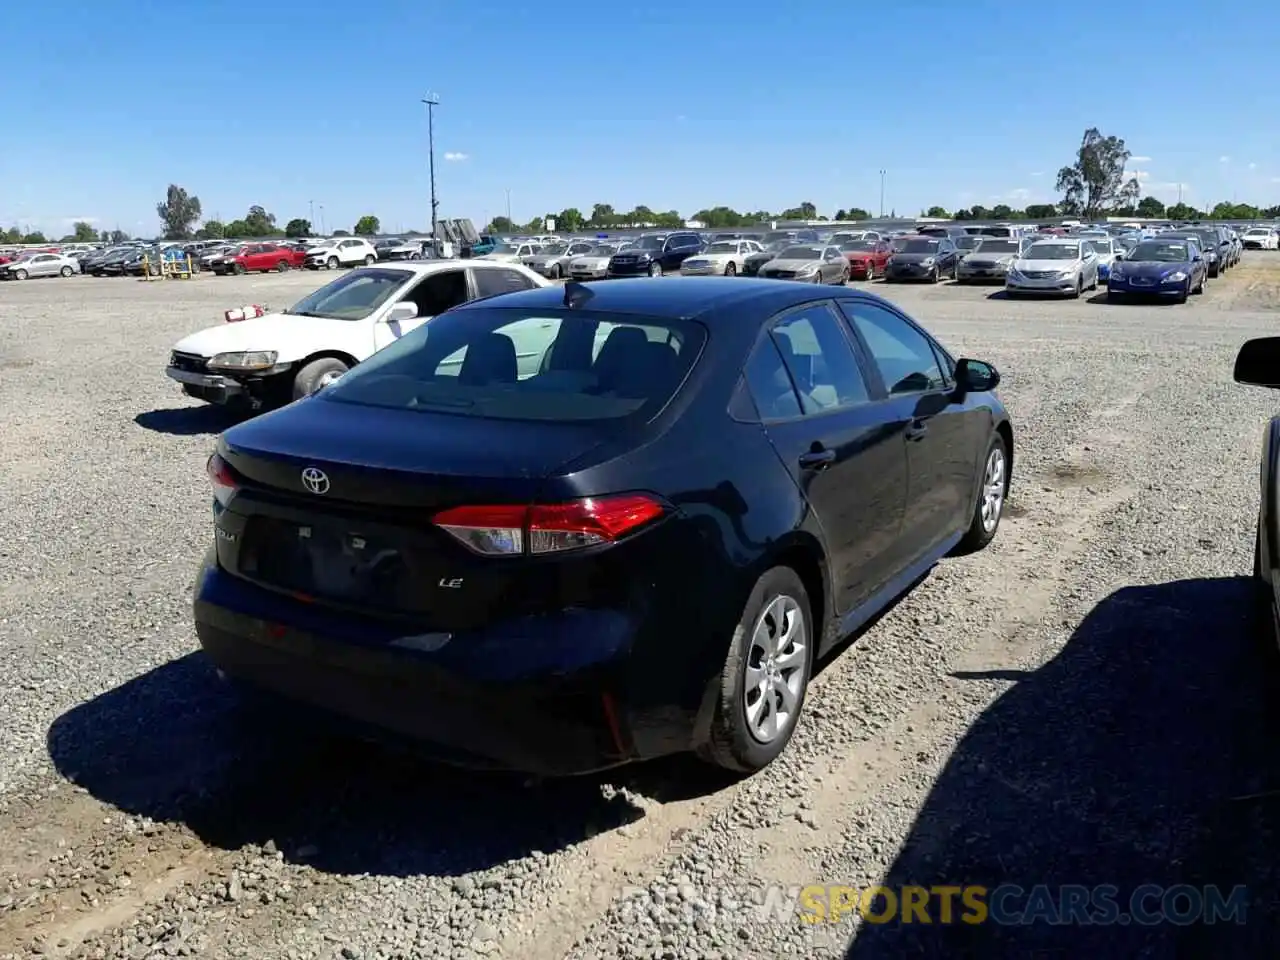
(315, 480)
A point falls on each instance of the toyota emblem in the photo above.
(315, 480)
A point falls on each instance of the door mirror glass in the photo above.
(402, 313)
(976, 376)
(1119, 256)
(1258, 363)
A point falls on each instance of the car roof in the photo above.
(684, 298)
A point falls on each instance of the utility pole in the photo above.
(311, 214)
(508, 204)
(432, 101)
(323, 231)
(882, 194)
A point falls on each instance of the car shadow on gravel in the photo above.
(1143, 753)
(188, 421)
(175, 745)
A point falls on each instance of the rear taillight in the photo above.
(504, 531)
(223, 479)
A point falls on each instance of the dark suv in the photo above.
(655, 255)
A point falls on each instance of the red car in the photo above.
(866, 257)
(262, 256)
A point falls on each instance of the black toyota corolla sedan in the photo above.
(563, 529)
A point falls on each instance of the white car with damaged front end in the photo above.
(286, 355)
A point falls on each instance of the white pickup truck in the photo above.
(273, 359)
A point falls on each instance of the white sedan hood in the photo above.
(1055, 266)
(713, 257)
(501, 257)
(290, 336)
(590, 263)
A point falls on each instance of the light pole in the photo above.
(882, 194)
(323, 231)
(508, 204)
(311, 214)
(432, 101)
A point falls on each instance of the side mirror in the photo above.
(1197, 258)
(976, 376)
(402, 313)
(1258, 363)
(1119, 256)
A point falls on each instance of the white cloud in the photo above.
(1038, 173)
(1021, 193)
(1253, 166)
(1139, 159)
(456, 157)
(79, 219)
(1142, 176)
(1224, 159)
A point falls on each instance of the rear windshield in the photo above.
(512, 364)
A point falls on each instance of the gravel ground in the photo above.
(1079, 704)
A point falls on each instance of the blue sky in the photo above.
(752, 104)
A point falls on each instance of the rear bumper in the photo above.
(544, 696)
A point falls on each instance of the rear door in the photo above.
(823, 418)
(943, 436)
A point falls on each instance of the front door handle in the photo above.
(917, 429)
(817, 459)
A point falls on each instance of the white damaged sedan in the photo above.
(269, 360)
(722, 258)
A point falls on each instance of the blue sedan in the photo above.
(1171, 268)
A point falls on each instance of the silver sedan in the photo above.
(40, 265)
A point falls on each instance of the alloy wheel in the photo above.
(776, 669)
(993, 489)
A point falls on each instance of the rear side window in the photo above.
(820, 359)
(514, 364)
(770, 383)
(494, 281)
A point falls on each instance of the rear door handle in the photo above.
(917, 429)
(817, 459)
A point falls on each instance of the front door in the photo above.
(433, 294)
(829, 431)
(943, 443)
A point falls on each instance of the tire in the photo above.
(817, 277)
(871, 271)
(1264, 622)
(655, 269)
(730, 269)
(369, 260)
(282, 266)
(66, 271)
(734, 743)
(238, 269)
(955, 272)
(556, 272)
(19, 274)
(982, 530)
(933, 275)
(316, 374)
(1199, 287)
(1186, 292)
(331, 263)
(1079, 292)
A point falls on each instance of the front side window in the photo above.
(901, 353)
(820, 359)
(517, 364)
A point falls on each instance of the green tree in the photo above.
(937, 212)
(964, 213)
(640, 216)
(603, 215)
(500, 225)
(1150, 207)
(806, 211)
(855, 213)
(1002, 211)
(260, 223)
(1182, 211)
(237, 230)
(1040, 211)
(716, 218)
(367, 226)
(297, 227)
(1097, 181)
(570, 219)
(211, 230)
(117, 236)
(83, 232)
(178, 212)
(12, 235)
(533, 226)
(979, 212)
(34, 237)
(342, 233)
